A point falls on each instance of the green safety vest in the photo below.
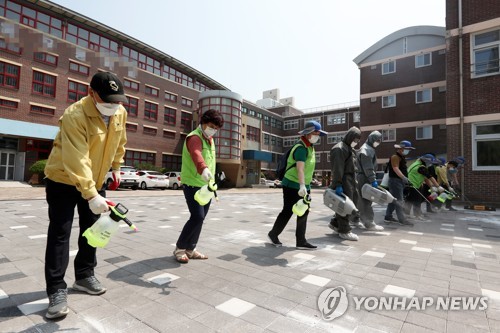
(416, 179)
(309, 166)
(189, 174)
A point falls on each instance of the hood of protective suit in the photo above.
(373, 137)
(352, 133)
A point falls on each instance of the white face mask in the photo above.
(314, 138)
(375, 144)
(406, 152)
(209, 131)
(107, 109)
(354, 144)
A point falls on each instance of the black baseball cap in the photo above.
(109, 87)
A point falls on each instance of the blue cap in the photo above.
(405, 144)
(429, 158)
(312, 126)
(442, 160)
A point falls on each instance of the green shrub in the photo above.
(38, 167)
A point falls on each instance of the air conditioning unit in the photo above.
(373, 99)
(374, 67)
(442, 52)
(442, 89)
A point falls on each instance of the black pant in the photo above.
(192, 229)
(62, 200)
(290, 198)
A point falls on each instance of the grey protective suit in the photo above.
(344, 167)
(367, 161)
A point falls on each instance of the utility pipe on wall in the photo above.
(461, 93)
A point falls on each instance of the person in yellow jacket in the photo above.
(91, 139)
(198, 168)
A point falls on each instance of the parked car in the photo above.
(270, 183)
(129, 178)
(152, 179)
(174, 178)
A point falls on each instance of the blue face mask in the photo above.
(406, 152)
(453, 170)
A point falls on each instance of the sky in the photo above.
(303, 48)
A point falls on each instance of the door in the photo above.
(7, 164)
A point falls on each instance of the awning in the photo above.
(26, 129)
(257, 155)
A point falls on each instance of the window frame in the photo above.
(171, 97)
(77, 91)
(130, 84)
(44, 84)
(131, 107)
(8, 104)
(6, 75)
(336, 119)
(476, 138)
(44, 58)
(423, 63)
(476, 48)
(388, 70)
(151, 91)
(422, 137)
(79, 70)
(150, 113)
(385, 98)
(390, 134)
(422, 91)
(169, 116)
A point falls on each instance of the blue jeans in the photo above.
(396, 188)
(191, 232)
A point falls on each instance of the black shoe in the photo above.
(58, 304)
(451, 209)
(274, 240)
(89, 285)
(406, 223)
(390, 219)
(306, 246)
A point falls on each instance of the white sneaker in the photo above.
(358, 225)
(349, 236)
(374, 227)
(335, 230)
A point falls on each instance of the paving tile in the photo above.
(399, 291)
(12, 276)
(386, 265)
(116, 260)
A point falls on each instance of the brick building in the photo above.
(472, 97)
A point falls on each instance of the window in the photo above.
(130, 84)
(42, 110)
(186, 120)
(318, 157)
(424, 133)
(388, 101)
(9, 75)
(335, 119)
(356, 116)
(8, 104)
(171, 162)
(187, 102)
(138, 157)
(388, 135)
(169, 135)
(273, 140)
(486, 53)
(253, 134)
(312, 119)
(267, 121)
(151, 91)
(76, 91)
(170, 116)
(9, 47)
(170, 97)
(389, 67)
(149, 130)
(150, 111)
(131, 106)
(252, 113)
(423, 96)
(131, 127)
(288, 142)
(45, 58)
(423, 60)
(291, 124)
(44, 84)
(485, 146)
(78, 68)
(279, 124)
(266, 139)
(335, 138)
(279, 142)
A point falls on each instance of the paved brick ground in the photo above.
(247, 285)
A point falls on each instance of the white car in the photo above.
(128, 176)
(152, 179)
(174, 178)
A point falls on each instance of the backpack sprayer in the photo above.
(340, 204)
(302, 205)
(208, 191)
(100, 232)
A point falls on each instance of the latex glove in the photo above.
(405, 180)
(206, 175)
(302, 190)
(434, 189)
(339, 190)
(117, 178)
(440, 189)
(98, 205)
(375, 184)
